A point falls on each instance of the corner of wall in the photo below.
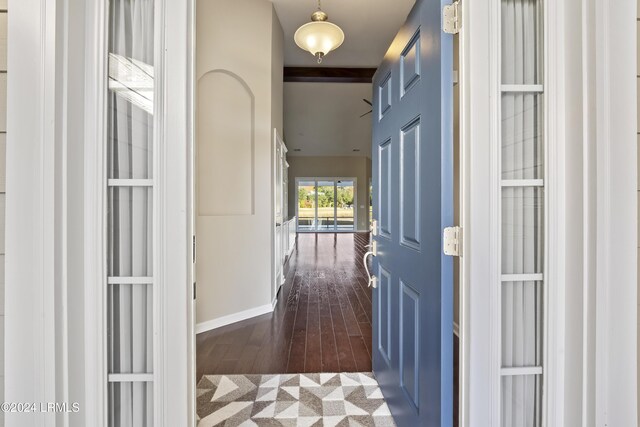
(230, 32)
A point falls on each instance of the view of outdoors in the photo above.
(326, 205)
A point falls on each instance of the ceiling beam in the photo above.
(328, 75)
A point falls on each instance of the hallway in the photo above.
(322, 321)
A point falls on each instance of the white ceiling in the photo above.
(369, 27)
(323, 119)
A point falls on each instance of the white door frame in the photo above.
(44, 95)
(480, 358)
(55, 317)
(594, 332)
(174, 369)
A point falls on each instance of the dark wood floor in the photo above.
(322, 322)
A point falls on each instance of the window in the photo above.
(326, 204)
(522, 149)
(130, 231)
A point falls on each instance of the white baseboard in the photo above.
(233, 318)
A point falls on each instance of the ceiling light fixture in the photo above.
(319, 36)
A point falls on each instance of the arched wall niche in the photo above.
(225, 153)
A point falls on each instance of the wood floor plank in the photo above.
(299, 341)
(361, 354)
(343, 343)
(313, 355)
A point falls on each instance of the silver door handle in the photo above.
(373, 281)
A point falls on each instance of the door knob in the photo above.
(374, 248)
(373, 281)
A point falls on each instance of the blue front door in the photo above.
(413, 203)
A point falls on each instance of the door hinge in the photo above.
(452, 241)
(452, 18)
(194, 249)
(194, 290)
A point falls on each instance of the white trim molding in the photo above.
(32, 220)
(95, 255)
(555, 213)
(176, 374)
(480, 337)
(614, 242)
(233, 318)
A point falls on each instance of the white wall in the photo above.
(638, 142)
(3, 146)
(277, 74)
(327, 167)
(597, 166)
(239, 101)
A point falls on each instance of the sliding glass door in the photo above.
(306, 205)
(345, 201)
(326, 204)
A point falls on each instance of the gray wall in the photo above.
(327, 167)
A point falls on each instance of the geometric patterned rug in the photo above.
(292, 400)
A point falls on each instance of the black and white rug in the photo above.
(300, 400)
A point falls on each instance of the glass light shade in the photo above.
(319, 37)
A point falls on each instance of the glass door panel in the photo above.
(326, 216)
(523, 213)
(307, 205)
(130, 189)
(345, 192)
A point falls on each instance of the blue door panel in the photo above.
(410, 64)
(410, 185)
(413, 203)
(383, 308)
(384, 96)
(386, 206)
(410, 342)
